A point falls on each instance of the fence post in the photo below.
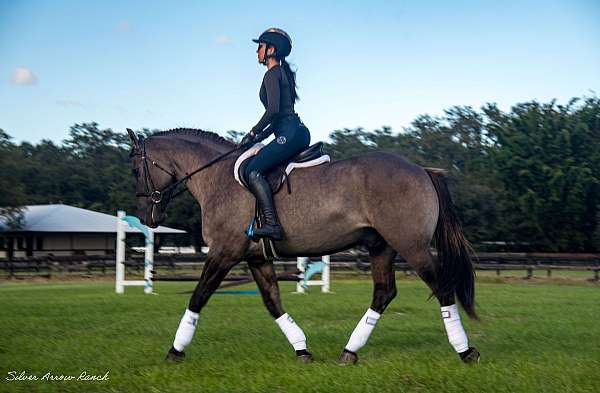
(120, 266)
(529, 272)
(325, 274)
(149, 262)
(301, 264)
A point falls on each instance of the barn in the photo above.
(63, 230)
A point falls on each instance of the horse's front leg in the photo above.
(266, 280)
(215, 269)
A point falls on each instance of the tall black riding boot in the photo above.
(259, 186)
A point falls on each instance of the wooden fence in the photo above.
(347, 261)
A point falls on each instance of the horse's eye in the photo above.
(136, 172)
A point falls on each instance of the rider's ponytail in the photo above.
(291, 76)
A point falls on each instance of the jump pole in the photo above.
(120, 282)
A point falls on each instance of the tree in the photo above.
(531, 175)
(547, 158)
(12, 195)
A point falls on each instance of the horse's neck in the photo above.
(188, 157)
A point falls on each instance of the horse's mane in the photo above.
(196, 133)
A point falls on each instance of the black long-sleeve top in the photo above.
(275, 96)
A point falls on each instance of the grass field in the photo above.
(536, 337)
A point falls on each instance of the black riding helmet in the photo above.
(278, 39)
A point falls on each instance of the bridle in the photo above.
(156, 196)
(166, 195)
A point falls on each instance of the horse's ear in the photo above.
(134, 139)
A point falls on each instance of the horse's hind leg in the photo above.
(382, 270)
(266, 280)
(423, 262)
(215, 269)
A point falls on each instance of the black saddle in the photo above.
(311, 153)
(275, 175)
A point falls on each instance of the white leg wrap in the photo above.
(363, 330)
(454, 328)
(186, 329)
(292, 332)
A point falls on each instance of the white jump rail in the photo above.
(121, 282)
(323, 282)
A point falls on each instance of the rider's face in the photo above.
(260, 51)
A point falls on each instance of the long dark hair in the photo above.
(291, 76)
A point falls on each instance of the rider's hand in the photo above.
(248, 139)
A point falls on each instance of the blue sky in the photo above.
(192, 63)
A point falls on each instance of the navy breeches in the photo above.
(291, 137)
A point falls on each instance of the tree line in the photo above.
(526, 179)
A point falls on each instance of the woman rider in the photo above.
(278, 95)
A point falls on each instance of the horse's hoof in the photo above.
(304, 356)
(174, 355)
(470, 356)
(347, 357)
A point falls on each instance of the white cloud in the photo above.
(223, 40)
(23, 76)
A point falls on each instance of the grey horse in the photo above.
(378, 200)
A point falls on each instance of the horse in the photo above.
(378, 200)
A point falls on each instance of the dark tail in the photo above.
(455, 269)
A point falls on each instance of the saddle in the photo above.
(312, 156)
(279, 175)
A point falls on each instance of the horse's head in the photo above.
(152, 182)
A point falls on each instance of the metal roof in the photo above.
(65, 218)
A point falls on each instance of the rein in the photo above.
(156, 196)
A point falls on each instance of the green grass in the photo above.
(533, 336)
